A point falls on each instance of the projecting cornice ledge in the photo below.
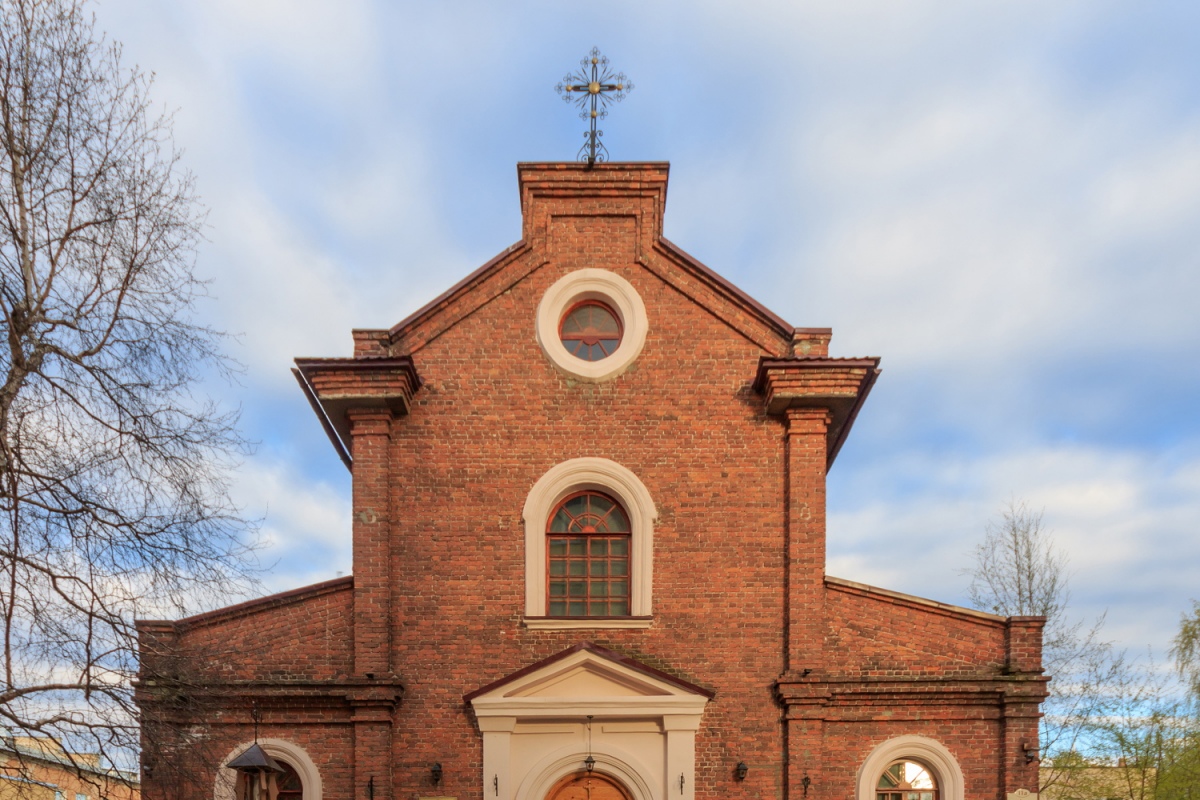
(839, 385)
(336, 386)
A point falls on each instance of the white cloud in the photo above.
(305, 522)
(1127, 520)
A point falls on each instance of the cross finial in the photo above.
(592, 88)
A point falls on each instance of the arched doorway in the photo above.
(587, 786)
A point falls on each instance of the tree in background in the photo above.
(113, 491)
(1018, 572)
(1185, 649)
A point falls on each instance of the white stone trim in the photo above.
(559, 624)
(918, 748)
(592, 284)
(643, 729)
(293, 754)
(603, 475)
(614, 762)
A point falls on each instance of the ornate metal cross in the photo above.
(592, 88)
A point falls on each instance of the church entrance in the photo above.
(587, 786)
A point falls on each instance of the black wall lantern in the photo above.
(589, 763)
(1031, 753)
(435, 772)
(740, 770)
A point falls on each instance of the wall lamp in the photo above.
(740, 770)
(435, 772)
(1031, 753)
(589, 763)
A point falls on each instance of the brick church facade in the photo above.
(589, 560)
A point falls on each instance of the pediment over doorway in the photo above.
(540, 723)
(588, 673)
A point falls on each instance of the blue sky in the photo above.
(1000, 199)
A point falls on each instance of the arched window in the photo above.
(906, 780)
(603, 511)
(910, 767)
(289, 783)
(587, 557)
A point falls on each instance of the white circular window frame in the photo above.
(608, 288)
(927, 751)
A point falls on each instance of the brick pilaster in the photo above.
(370, 433)
(806, 459)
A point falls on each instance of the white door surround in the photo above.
(541, 722)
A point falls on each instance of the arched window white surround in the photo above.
(610, 289)
(603, 475)
(916, 748)
(612, 761)
(293, 754)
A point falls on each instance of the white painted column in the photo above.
(497, 756)
(681, 756)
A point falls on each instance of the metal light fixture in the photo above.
(1031, 753)
(589, 763)
(740, 770)
(435, 772)
(258, 770)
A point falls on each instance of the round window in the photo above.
(591, 324)
(590, 330)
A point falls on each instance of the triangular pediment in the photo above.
(591, 672)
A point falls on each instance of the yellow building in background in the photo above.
(35, 768)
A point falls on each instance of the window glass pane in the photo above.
(576, 505)
(598, 589)
(620, 547)
(599, 568)
(558, 608)
(599, 609)
(577, 567)
(558, 547)
(620, 608)
(618, 588)
(599, 547)
(578, 546)
(619, 567)
(576, 609)
(578, 589)
(558, 568)
(557, 588)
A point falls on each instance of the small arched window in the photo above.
(587, 557)
(289, 783)
(907, 780)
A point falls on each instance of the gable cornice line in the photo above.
(458, 290)
(722, 286)
(255, 606)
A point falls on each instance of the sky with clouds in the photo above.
(1001, 199)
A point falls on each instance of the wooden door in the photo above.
(584, 786)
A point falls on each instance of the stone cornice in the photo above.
(335, 386)
(838, 385)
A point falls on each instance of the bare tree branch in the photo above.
(113, 490)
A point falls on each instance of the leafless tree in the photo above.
(1185, 649)
(113, 492)
(1018, 572)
